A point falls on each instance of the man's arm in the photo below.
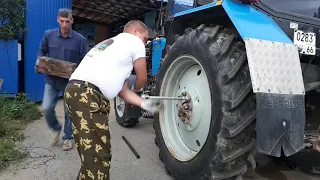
(132, 98)
(129, 96)
(140, 67)
(83, 48)
(43, 49)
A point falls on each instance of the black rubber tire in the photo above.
(227, 153)
(124, 121)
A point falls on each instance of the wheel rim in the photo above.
(185, 76)
(120, 104)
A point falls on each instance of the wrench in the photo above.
(145, 96)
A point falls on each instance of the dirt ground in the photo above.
(51, 163)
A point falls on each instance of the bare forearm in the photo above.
(129, 96)
(140, 67)
(140, 83)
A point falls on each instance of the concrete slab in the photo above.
(51, 163)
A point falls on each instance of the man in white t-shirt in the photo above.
(101, 76)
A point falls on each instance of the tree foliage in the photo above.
(12, 23)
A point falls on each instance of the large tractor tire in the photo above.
(215, 137)
(120, 108)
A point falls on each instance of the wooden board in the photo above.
(55, 67)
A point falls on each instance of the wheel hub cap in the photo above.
(185, 109)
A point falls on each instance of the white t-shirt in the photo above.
(110, 63)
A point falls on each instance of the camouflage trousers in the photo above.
(89, 111)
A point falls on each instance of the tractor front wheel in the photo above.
(120, 109)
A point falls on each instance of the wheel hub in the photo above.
(185, 108)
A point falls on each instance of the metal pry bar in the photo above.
(144, 96)
(130, 146)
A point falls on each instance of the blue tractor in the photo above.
(251, 70)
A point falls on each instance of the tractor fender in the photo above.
(275, 73)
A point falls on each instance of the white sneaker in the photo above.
(67, 145)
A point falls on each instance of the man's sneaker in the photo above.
(67, 145)
(56, 138)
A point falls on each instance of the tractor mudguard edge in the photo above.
(252, 23)
(280, 123)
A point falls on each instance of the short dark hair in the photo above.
(65, 12)
(135, 23)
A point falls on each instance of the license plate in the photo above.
(305, 41)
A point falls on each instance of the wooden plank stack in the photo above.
(55, 67)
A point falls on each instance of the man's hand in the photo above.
(151, 105)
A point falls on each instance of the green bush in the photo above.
(12, 23)
(14, 115)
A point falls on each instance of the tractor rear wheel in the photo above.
(212, 136)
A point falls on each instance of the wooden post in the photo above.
(55, 67)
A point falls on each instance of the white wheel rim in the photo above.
(184, 141)
(120, 105)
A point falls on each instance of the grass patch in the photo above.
(15, 114)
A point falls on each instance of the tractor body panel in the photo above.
(275, 70)
(249, 22)
(157, 49)
(196, 9)
(254, 24)
(300, 15)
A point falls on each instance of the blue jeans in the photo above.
(50, 99)
(132, 80)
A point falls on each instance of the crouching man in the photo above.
(101, 76)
